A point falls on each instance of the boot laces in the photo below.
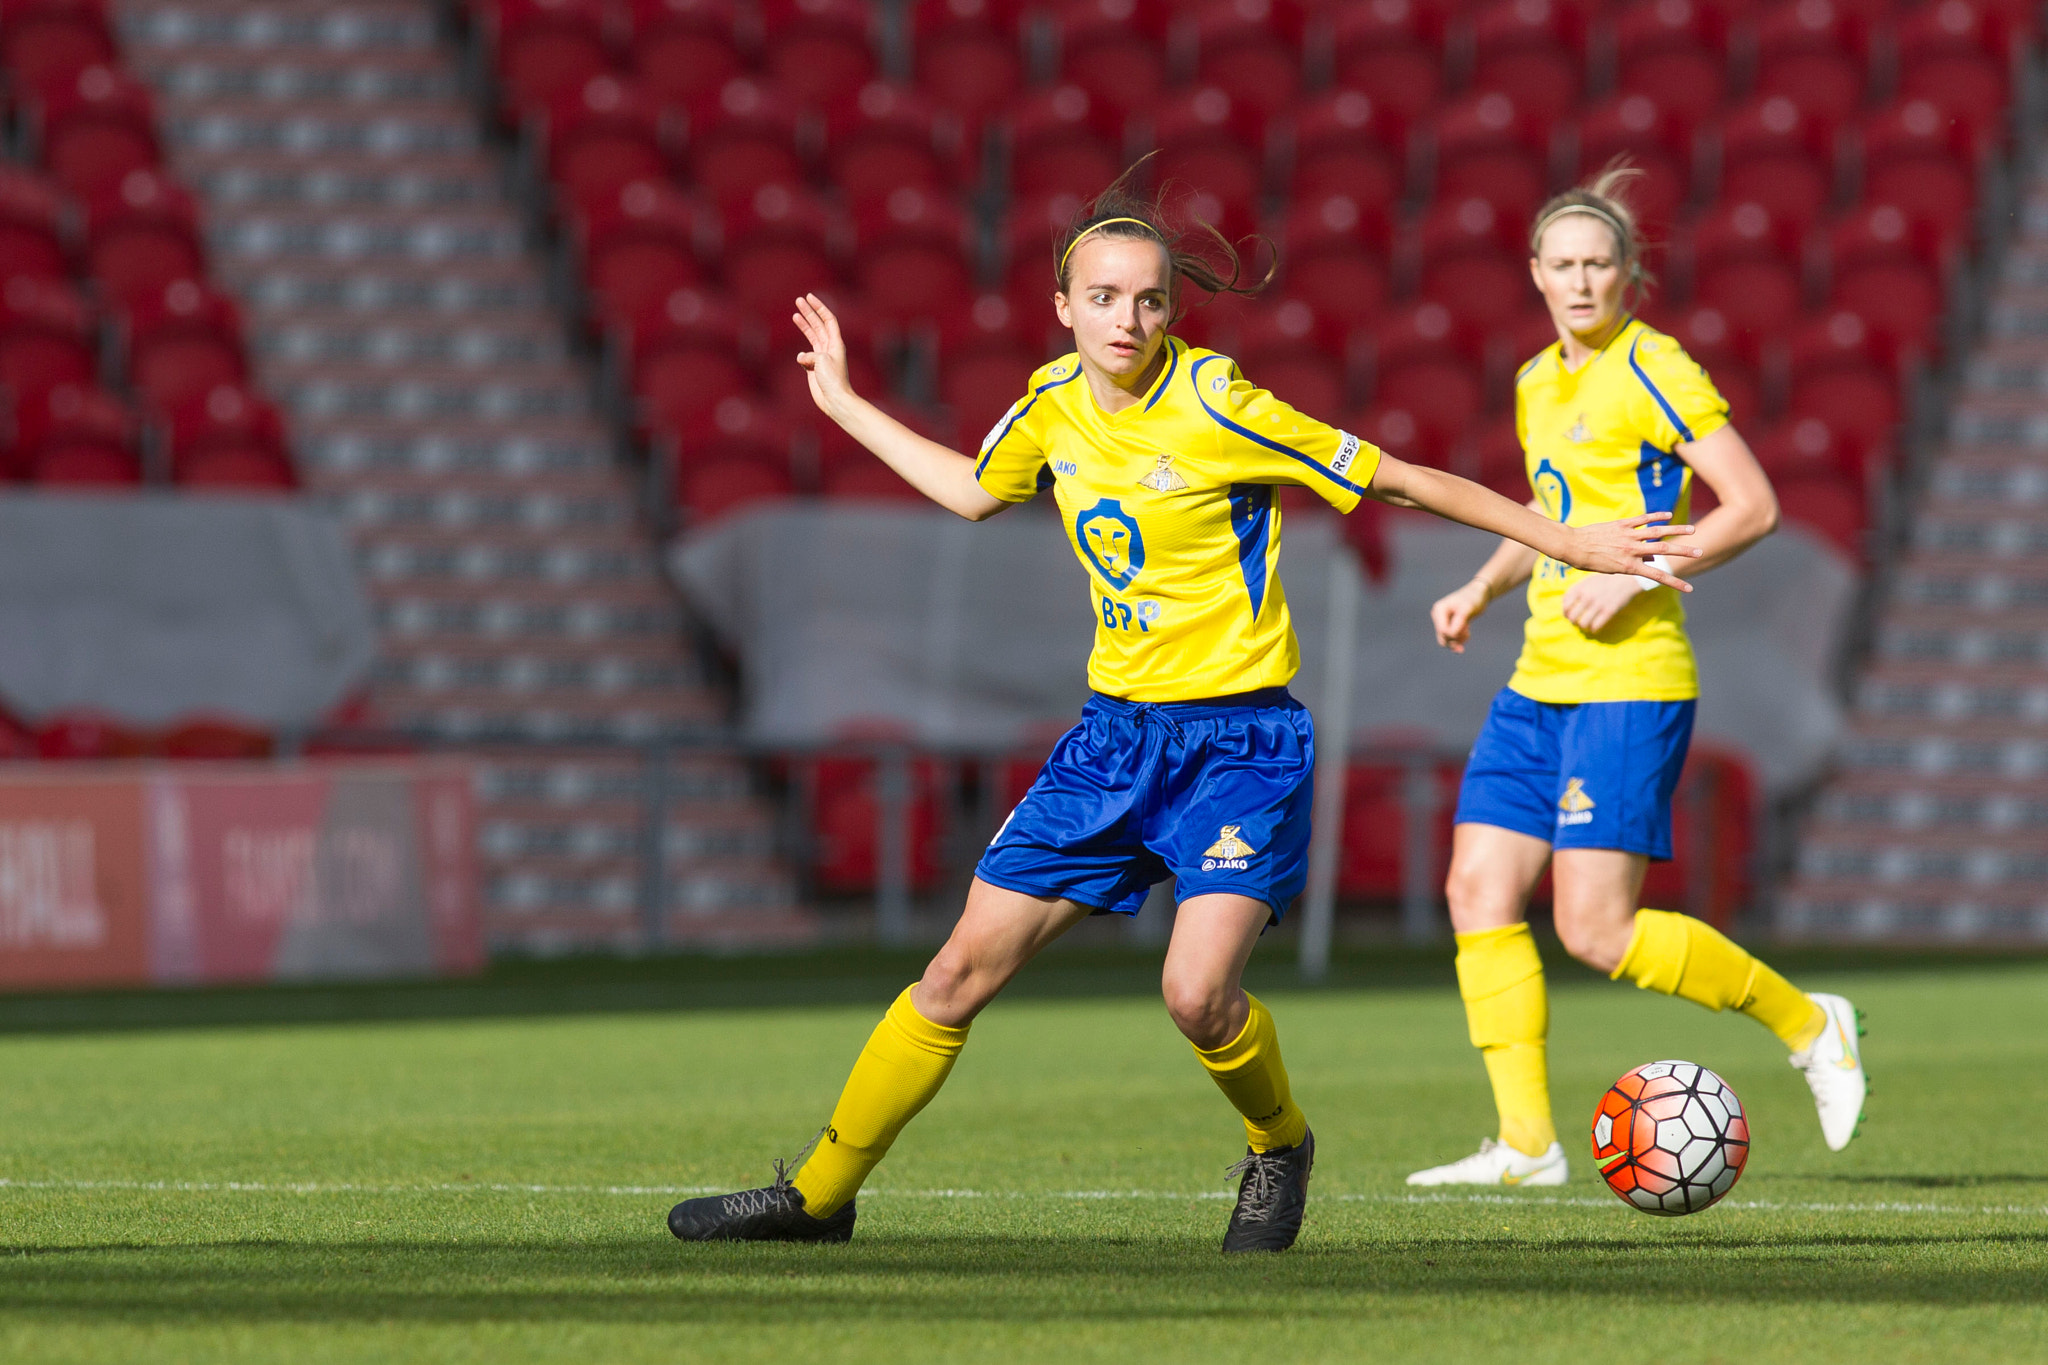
(773, 1197)
(1262, 1172)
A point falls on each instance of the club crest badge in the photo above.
(1229, 846)
(1575, 807)
(1578, 435)
(1163, 479)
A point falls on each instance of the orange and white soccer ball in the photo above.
(1670, 1138)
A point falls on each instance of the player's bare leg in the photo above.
(1500, 977)
(1235, 1040)
(905, 1061)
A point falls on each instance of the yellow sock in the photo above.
(1249, 1072)
(1682, 956)
(1508, 1012)
(901, 1068)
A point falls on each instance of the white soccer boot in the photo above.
(1833, 1065)
(1496, 1163)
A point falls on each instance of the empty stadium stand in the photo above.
(355, 212)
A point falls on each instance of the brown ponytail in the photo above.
(1121, 213)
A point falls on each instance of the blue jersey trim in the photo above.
(1251, 516)
(1172, 364)
(1018, 416)
(1661, 476)
(1684, 431)
(1195, 376)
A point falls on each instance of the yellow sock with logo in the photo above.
(1249, 1072)
(1507, 1011)
(1682, 956)
(905, 1062)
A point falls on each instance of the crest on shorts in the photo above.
(1163, 479)
(1228, 845)
(1574, 799)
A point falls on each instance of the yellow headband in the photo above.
(1097, 227)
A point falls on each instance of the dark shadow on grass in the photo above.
(976, 1278)
(1938, 1182)
(588, 986)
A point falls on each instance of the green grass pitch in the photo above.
(479, 1172)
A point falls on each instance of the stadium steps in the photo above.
(399, 312)
(1932, 826)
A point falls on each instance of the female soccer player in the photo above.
(1191, 759)
(1576, 763)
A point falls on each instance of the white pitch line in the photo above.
(1071, 1196)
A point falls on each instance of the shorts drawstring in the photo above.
(1151, 713)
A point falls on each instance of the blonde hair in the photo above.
(1605, 199)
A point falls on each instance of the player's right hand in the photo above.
(1454, 612)
(825, 363)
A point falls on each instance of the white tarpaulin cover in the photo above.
(850, 617)
(154, 608)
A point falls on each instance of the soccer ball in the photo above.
(1670, 1138)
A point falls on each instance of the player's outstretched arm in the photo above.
(1506, 569)
(1629, 546)
(945, 476)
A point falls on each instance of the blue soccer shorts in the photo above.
(1594, 774)
(1214, 793)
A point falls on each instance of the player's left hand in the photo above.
(1593, 601)
(1630, 546)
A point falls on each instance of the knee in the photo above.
(1206, 1013)
(1597, 936)
(1478, 899)
(951, 991)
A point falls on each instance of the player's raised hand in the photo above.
(825, 363)
(1631, 546)
(1454, 612)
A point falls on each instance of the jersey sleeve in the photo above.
(1684, 404)
(1260, 439)
(1011, 463)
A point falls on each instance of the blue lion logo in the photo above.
(1109, 536)
(1552, 491)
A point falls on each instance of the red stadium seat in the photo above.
(889, 137)
(788, 386)
(1885, 234)
(77, 436)
(783, 242)
(1638, 128)
(46, 336)
(819, 51)
(543, 49)
(211, 737)
(1800, 448)
(1841, 336)
(1250, 49)
(869, 480)
(1529, 50)
(1487, 148)
(31, 226)
(1923, 158)
(47, 42)
(80, 733)
(1204, 146)
(1829, 505)
(739, 428)
(229, 425)
(1119, 63)
(968, 56)
(1452, 227)
(1811, 51)
(1493, 456)
(982, 384)
(1776, 154)
(1030, 238)
(911, 254)
(1743, 230)
(142, 235)
(689, 355)
(1674, 51)
(1385, 50)
(1860, 403)
(96, 129)
(1057, 145)
(183, 340)
(843, 801)
(728, 485)
(602, 136)
(1758, 295)
(1961, 55)
(684, 50)
(1373, 863)
(1286, 347)
(1443, 397)
(637, 244)
(1901, 301)
(744, 137)
(1346, 143)
(240, 471)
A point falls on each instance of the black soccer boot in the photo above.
(774, 1213)
(1271, 1198)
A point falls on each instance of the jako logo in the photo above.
(1228, 852)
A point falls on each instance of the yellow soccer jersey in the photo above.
(1599, 444)
(1170, 506)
